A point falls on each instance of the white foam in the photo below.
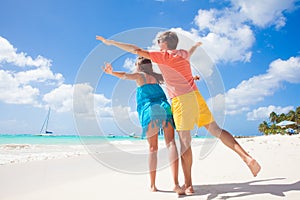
(20, 153)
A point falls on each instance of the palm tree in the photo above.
(263, 127)
(281, 117)
(273, 117)
(291, 115)
(274, 129)
(298, 115)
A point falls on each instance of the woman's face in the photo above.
(137, 67)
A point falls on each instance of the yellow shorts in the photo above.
(190, 109)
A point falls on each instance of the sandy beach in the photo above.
(221, 174)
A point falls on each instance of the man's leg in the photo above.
(173, 156)
(186, 159)
(230, 142)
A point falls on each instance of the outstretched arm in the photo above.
(123, 75)
(194, 47)
(126, 47)
(191, 51)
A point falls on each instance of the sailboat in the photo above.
(133, 135)
(44, 130)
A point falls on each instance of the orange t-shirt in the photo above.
(176, 70)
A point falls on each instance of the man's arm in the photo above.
(193, 48)
(196, 78)
(126, 47)
(191, 51)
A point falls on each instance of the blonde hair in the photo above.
(170, 38)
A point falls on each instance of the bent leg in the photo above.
(230, 142)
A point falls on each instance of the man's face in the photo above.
(162, 45)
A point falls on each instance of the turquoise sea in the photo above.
(63, 139)
(56, 139)
(23, 148)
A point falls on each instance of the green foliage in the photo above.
(292, 115)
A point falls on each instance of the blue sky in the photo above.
(253, 44)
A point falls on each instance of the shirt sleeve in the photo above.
(183, 53)
(156, 57)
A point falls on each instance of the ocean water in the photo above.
(26, 148)
(55, 139)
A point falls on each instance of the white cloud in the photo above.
(124, 112)
(16, 86)
(227, 34)
(286, 70)
(264, 13)
(8, 54)
(89, 107)
(85, 101)
(129, 64)
(263, 113)
(224, 35)
(12, 92)
(42, 74)
(60, 99)
(255, 89)
(81, 99)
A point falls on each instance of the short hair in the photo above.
(170, 38)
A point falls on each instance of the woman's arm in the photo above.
(125, 46)
(123, 75)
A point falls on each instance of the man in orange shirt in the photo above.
(188, 106)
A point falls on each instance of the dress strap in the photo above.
(144, 78)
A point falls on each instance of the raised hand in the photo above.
(102, 39)
(194, 47)
(196, 78)
(108, 68)
(198, 44)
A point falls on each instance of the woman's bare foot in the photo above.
(188, 190)
(254, 166)
(153, 188)
(179, 190)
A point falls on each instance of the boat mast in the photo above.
(45, 124)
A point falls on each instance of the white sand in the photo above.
(220, 175)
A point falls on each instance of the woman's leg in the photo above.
(152, 138)
(173, 155)
(230, 142)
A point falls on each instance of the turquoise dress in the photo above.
(152, 106)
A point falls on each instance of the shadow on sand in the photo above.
(235, 190)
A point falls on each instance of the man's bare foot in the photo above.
(179, 190)
(188, 190)
(153, 188)
(254, 166)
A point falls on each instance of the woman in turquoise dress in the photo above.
(154, 115)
